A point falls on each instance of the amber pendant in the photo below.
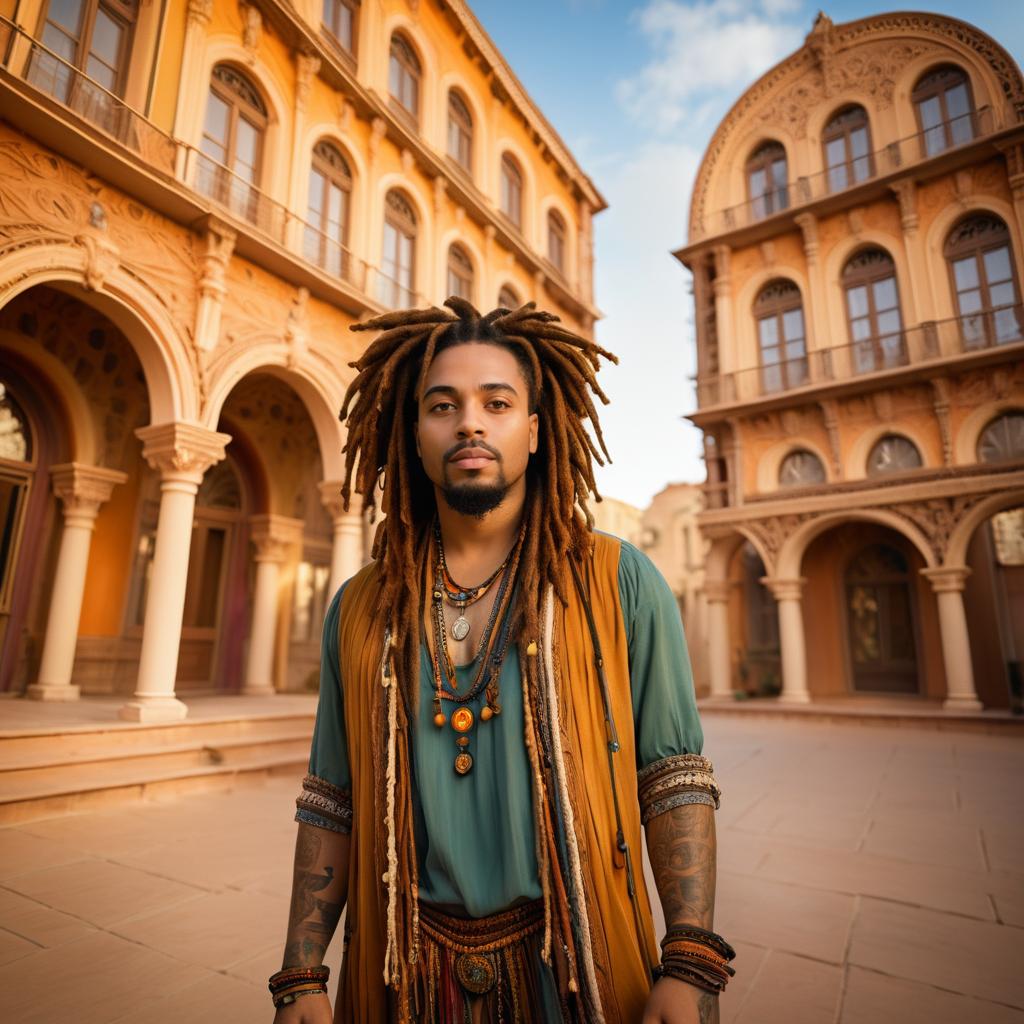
(463, 762)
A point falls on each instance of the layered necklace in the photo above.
(490, 651)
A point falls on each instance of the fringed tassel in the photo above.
(577, 894)
(391, 954)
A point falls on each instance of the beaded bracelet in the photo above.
(291, 982)
(696, 956)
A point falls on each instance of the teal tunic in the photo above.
(474, 832)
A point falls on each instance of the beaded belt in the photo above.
(473, 941)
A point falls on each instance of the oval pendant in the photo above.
(463, 763)
(460, 628)
(462, 719)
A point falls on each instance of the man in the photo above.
(505, 698)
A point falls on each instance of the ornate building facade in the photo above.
(196, 201)
(855, 241)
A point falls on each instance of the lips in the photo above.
(472, 458)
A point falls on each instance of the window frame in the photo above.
(403, 53)
(340, 177)
(404, 222)
(506, 291)
(349, 50)
(512, 187)
(558, 241)
(1002, 416)
(923, 91)
(463, 122)
(878, 343)
(239, 107)
(837, 129)
(776, 307)
(800, 450)
(880, 474)
(776, 198)
(459, 266)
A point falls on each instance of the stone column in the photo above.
(274, 537)
(182, 452)
(716, 593)
(948, 585)
(82, 490)
(347, 552)
(791, 638)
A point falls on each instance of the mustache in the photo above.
(463, 445)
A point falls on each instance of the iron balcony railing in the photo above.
(986, 329)
(28, 59)
(900, 154)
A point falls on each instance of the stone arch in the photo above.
(984, 91)
(935, 241)
(848, 247)
(889, 44)
(723, 549)
(320, 395)
(960, 538)
(965, 444)
(82, 441)
(126, 302)
(857, 456)
(791, 552)
(277, 145)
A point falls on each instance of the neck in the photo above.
(474, 542)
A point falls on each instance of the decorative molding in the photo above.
(940, 403)
(808, 225)
(182, 451)
(440, 191)
(905, 191)
(938, 518)
(947, 578)
(252, 29)
(716, 591)
(307, 66)
(217, 245)
(83, 489)
(199, 13)
(785, 589)
(773, 531)
(830, 411)
(296, 334)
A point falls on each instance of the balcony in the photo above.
(269, 233)
(989, 330)
(946, 137)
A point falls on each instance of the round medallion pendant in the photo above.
(462, 719)
(460, 628)
(463, 763)
(475, 972)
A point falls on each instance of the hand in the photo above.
(677, 1002)
(308, 1010)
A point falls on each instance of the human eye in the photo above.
(500, 403)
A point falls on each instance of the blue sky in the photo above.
(636, 90)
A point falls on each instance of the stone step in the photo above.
(43, 774)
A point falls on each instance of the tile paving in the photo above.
(867, 875)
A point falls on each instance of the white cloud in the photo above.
(702, 49)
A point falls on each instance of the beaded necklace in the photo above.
(490, 653)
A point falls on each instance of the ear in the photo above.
(534, 429)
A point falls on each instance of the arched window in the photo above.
(330, 196)
(873, 311)
(94, 36)
(1002, 439)
(512, 190)
(556, 240)
(16, 478)
(801, 468)
(404, 75)
(399, 263)
(767, 180)
(847, 144)
(984, 280)
(880, 618)
(460, 273)
(945, 109)
(507, 298)
(339, 20)
(460, 132)
(893, 454)
(232, 144)
(780, 333)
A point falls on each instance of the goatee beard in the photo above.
(474, 500)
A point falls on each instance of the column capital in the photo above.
(82, 489)
(716, 590)
(785, 589)
(330, 495)
(947, 578)
(274, 536)
(182, 451)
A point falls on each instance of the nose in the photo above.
(470, 421)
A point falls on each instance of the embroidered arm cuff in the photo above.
(675, 781)
(325, 805)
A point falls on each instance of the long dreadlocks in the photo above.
(380, 408)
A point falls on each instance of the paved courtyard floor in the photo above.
(867, 875)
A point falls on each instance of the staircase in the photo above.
(58, 771)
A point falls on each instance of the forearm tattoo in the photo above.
(318, 897)
(681, 844)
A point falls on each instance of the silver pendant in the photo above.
(460, 628)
